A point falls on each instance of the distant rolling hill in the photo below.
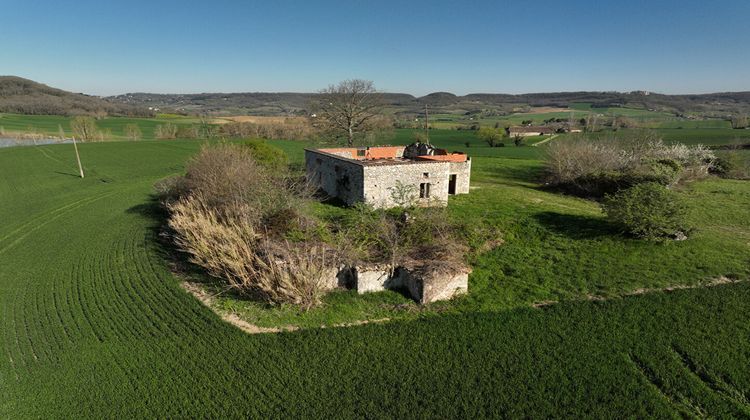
(23, 96)
(288, 103)
(18, 95)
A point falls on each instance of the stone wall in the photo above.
(338, 177)
(375, 182)
(462, 170)
(380, 181)
(425, 283)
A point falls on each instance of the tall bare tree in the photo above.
(349, 108)
(133, 132)
(84, 128)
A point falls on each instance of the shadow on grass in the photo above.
(74, 175)
(576, 226)
(514, 175)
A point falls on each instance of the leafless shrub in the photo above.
(289, 129)
(231, 181)
(166, 131)
(599, 165)
(85, 129)
(133, 132)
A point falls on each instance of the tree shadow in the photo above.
(161, 236)
(515, 176)
(68, 174)
(576, 226)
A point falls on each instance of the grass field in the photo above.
(50, 124)
(94, 324)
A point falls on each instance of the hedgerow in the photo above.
(596, 166)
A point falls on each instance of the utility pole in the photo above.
(78, 158)
(426, 124)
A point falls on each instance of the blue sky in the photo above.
(417, 47)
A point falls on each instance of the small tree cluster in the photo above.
(492, 136)
(85, 129)
(290, 129)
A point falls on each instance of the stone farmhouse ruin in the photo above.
(385, 176)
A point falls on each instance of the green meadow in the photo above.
(115, 126)
(95, 324)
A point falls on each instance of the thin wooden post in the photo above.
(426, 124)
(78, 158)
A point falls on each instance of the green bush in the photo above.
(269, 156)
(733, 164)
(649, 211)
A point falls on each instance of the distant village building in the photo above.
(386, 176)
(529, 130)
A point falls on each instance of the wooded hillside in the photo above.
(23, 96)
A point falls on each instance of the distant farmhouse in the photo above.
(386, 176)
(529, 130)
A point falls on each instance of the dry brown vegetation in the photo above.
(283, 128)
(594, 166)
(256, 119)
(231, 214)
(250, 262)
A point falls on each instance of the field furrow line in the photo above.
(25, 319)
(43, 340)
(52, 219)
(81, 302)
(11, 337)
(128, 315)
(136, 308)
(56, 305)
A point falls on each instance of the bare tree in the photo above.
(84, 128)
(348, 109)
(739, 121)
(165, 131)
(133, 132)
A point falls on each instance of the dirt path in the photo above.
(234, 319)
(552, 137)
(642, 291)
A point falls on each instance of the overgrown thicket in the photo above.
(733, 163)
(241, 215)
(401, 236)
(233, 214)
(595, 166)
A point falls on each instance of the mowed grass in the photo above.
(93, 323)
